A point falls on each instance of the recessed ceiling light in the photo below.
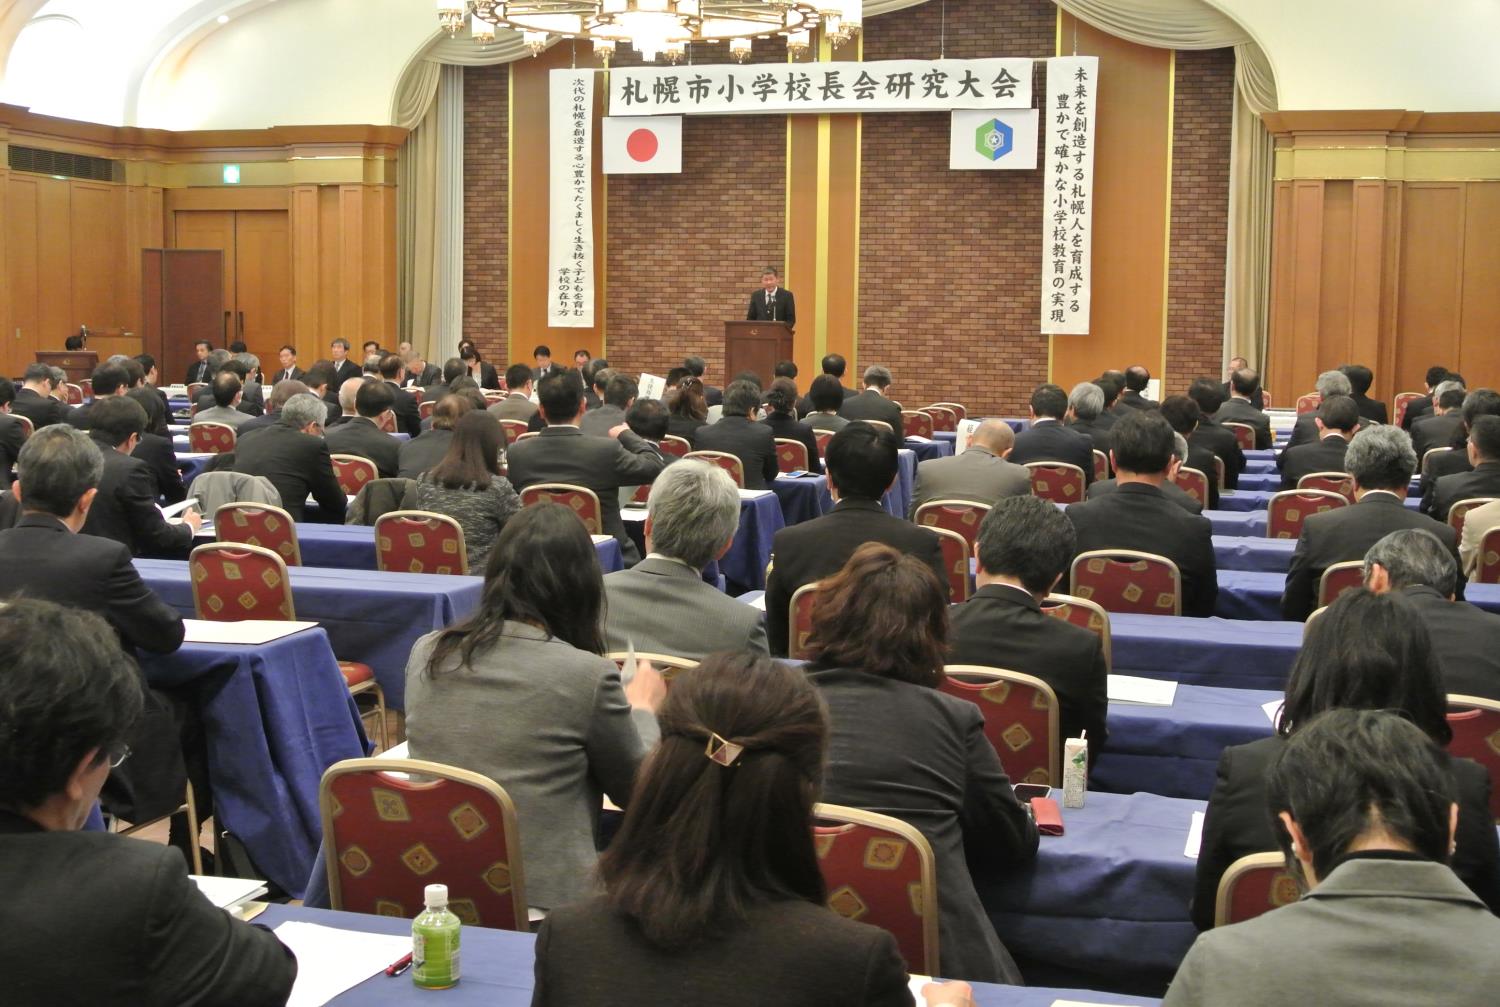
(223, 19)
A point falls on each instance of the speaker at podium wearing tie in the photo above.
(772, 302)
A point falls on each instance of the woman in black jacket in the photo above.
(781, 401)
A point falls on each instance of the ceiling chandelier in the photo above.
(655, 27)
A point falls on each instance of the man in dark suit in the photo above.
(292, 454)
(737, 433)
(1137, 379)
(1137, 515)
(280, 393)
(562, 454)
(1479, 402)
(834, 365)
(1086, 414)
(419, 373)
(12, 433)
(408, 415)
(1466, 639)
(288, 370)
(1445, 424)
(1305, 430)
(861, 466)
(772, 302)
(1337, 418)
(1048, 440)
(343, 367)
(697, 366)
(454, 368)
(1256, 397)
(1239, 408)
(201, 370)
(1418, 408)
(617, 392)
(1184, 416)
(542, 355)
(874, 403)
(517, 404)
(1381, 461)
(125, 505)
(108, 380)
(1360, 379)
(127, 925)
(1209, 434)
(320, 381)
(362, 435)
(1483, 478)
(1024, 547)
(36, 399)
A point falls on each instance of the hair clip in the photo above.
(721, 750)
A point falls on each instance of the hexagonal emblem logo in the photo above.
(993, 139)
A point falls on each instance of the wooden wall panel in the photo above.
(1335, 267)
(307, 327)
(96, 239)
(1366, 272)
(21, 278)
(1479, 329)
(55, 317)
(1431, 276)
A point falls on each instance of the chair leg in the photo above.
(196, 851)
(385, 729)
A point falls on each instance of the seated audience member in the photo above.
(226, 392)
(286, 358)
(593, 398)
(1139, 516)
(320, 380)
(362, 434)
(662, 605)
(1418, 408)
(468, 487)
(201, 369)
(12, 432)
(476, 367)
(1381, 461)
(1243, 385)
(1477, 523)
(618, 393)
(108, 380)
(280, 392)
(421, 453)
(1337, 418)
(293, 455)
(419, 373)
(675, 376)
(479, 692)
(861, 466)
(1255, 396)
(1111, 383)
(124, 507)
(874, 402)
(1483, 478)
(561, 454)
(453, 369)
(1446, 421)
(371, 367)
(824, 399)
(981, 474)
(781, 417)
(581, 359)
(1480, 402)
(1048, 440)
(1360, 379)
(1169, 488)
(127, 925)
(714, 868)
(833, 366)
(687, 412)
(544, 365)
(408, 415)
(697, 367)
(253, 397)
(1211, 435)
(1085, 407)
(1305, 430)
(1184, 416)
(1025, 544)
(737, 433)
(1137, 379)
(1415, 565)
(899, 746)
(647, 419)
(1367, 652)
(1364, 807)
(517, 404)
(149, 398)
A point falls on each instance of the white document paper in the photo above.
(251, 632)
(759, 601)
(177, 508)
(652, 386)
(330, 961)
(1081, 1003)
(600, 539)
(1195, 837)
(1141, 691)
(966, 430)
(1273, 710)
(919, 440)
(634, 513)
(226, 893)
(754, 494)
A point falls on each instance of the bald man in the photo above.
(980, 473)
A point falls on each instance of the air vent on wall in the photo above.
(57, 162)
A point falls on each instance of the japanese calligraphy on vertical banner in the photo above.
(1068, 192)
(570, 250)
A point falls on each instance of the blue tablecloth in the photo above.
(1216, 652)
(1016, 424)
(1268, 555)
(949, 437)
(930, 449)
(1258, 464)
(1173, 750)
(1237, 524)
(1247, 594)
(744, 565)
(1257, 500)
(1269, 480)
(499, 969)
(897, 499)
(802, 498)
(375, 620)
(276, 716)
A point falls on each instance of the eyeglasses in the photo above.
(116, 760)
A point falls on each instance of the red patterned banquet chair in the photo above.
(1488, 569)
(962, 516)
(1460, 510)
(1475, 723)
(1308, 403)
(676, 446)
(1101, 466)
(1338, 578)
(943, 418)
(1244, 435)
(1400, 404)
(1341, 483)
(1020, 719)
(915, 423)
(956, 554)
(958, 410)
(260, 525)
(1254, 885)
(424, 409)
(728, 462)
(579, 499)
(791, 455)
(1288, 509)
(513, 430)
(822, 437)
(1124, 580)
(1086, 614)
(413, 541)
(216, 438)
(1194, 482)
(353, 472)
(1057, 481)
(800, 619)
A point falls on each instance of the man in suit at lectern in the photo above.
(772, 302)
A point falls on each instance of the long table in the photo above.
(1268, 480)
(928, 449)
(1268, 555)
(1215, 652)
(1250, 594)
(375, 620)
(276, 716)
(1244, 499)
(897, 499)
(499, 969)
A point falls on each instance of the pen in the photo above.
(399, 966)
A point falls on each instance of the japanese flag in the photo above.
(642, 144)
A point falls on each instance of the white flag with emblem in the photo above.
(993, 140)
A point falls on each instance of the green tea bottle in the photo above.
(434, 943)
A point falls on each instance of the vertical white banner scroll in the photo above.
(1068, 193)
(570, 248)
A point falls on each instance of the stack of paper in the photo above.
(1141, 691)
(251, 632)
(753, 494)
(1195, 836)
(330, 961)
(228, 893)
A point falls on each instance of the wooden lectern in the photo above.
(755, 346)
(77, 364)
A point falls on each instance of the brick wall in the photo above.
(1200, 209)
(486, 217)
(950, 261)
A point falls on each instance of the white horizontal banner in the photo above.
(993, 140)
(899, 85)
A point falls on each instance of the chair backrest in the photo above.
(393, 826)
(1400, 404)
(1428, 456)
(27, 427)
(676, 446)
(75, 394)
(579, 499)
(958, 409)
(1244, 435)
(1487, 570)
(195, 389)
(822, 437)
(353, 472)
(1124, 580)
(668, 665)
(1219, 474)
(800, 620)
(1193, 482)
(962, 516)
(1265, 398)
(1101, 466)
(1020, 719)
(1288, 509)
(1084, 613)
(387, 421)
(915, 423)
(943, 418)
(260, 525)
(1460, 510)
(528, 435)
(1338, 578)
(791, 456)
(881, 871)
(1341, 483)
(86, 385)
(417, 392)
(218, 438)
(728, 462)
(1057, 481)
(233, 582)
(1475, 723)
(881, 424)
(513, 429)
(414, 541)
(955, 549)
(1253, 885)
(424, 409)
(1308, 403)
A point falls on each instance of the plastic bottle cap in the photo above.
(436, 896)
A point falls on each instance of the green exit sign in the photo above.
(231, 174)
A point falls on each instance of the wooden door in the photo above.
(211, 229)
(263, 282)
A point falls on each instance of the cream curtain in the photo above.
(1193, 24)
(430, 212)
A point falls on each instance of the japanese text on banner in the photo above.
(903, 85)
(570, 248)
(1068, 193)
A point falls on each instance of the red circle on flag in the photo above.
(641, 145)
